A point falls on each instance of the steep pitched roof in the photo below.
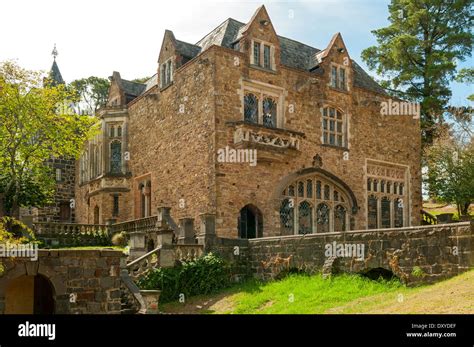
(55, 74)
(132, 88)
(293, 54)
(187, 50)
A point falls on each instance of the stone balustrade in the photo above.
(145, 263)
(70, 234)
(188, 252)
(137, 225)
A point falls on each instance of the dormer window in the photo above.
(166, 73)
(338, 77)
(263, 55)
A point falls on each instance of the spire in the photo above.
(54, 73)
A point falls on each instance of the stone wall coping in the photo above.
(89, 253)
(371, 231)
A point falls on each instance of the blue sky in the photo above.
(96, 37)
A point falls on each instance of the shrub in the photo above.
(204, 275)
(120, 239)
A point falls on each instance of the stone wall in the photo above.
(84, 281)
(171, 136)
(440, 251)
(64, 192)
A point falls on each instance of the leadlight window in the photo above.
(333, 127)
(340, 218)
(261, 109)
(305, 218)
(269, 112)
(300, 189)
(266, 57)
(309, 188)
(322, 210)
(372, 212)
(322, 218)
(256, 53)
(338, 77)
(385, 212)
(116, 157)
(342, 78)
(287, 216)
(398, 213)
(334, 76)
(251, 108)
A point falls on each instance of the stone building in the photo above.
(266, 134)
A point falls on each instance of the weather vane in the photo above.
(54, 53)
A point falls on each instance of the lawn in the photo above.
(301, 294)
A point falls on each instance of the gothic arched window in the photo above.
(305, 220)
(340, 213)
(287, 216)
(116, 157)
(314, 204)
(322, 218)
(250, 108)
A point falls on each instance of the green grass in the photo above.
(295, 294)
(308, 294)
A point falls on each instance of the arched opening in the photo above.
(29, 295)
(250, 222)
(150, 245)
(379, 273)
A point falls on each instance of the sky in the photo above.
(97, 37)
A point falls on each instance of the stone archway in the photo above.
(250, 222)
(28, 294)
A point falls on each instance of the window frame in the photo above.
(261, 55)
(263, 91)
(338, 77)
(327, 132)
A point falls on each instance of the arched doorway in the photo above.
(29, 295)
(150, 245)
(250, 222)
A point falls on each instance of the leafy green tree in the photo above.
(36, 124)
(451, 172)
(416, 54)
(92, 93)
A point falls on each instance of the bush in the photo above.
(204, 275)
(120, 239)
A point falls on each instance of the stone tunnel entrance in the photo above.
(29, 295)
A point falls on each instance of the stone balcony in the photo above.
(272, 144)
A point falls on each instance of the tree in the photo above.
(141, 80)
(451, 172)
(36, 124)
(466, 75)
(416, 54)
(92, 93)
